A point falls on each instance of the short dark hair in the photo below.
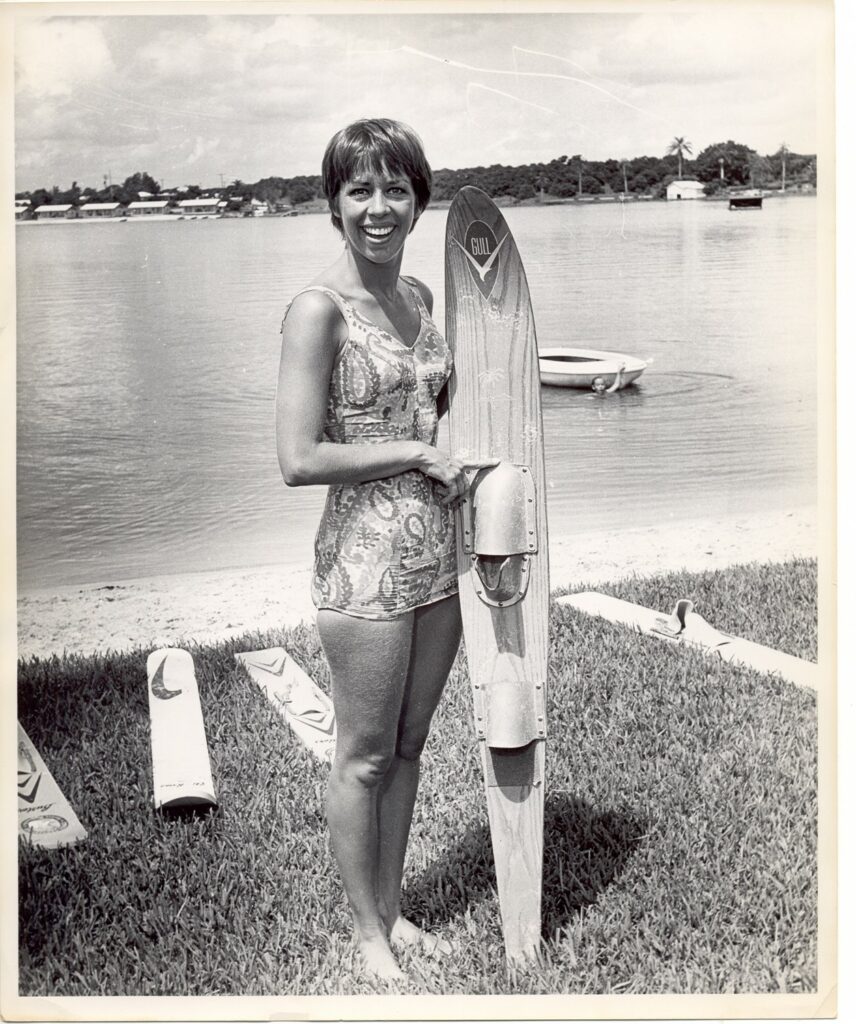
(375, 144)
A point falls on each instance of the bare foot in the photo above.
(378, 960)
(404, 933)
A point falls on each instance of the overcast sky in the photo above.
(191, 98)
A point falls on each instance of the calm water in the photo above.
(147, 359)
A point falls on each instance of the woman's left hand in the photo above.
(464, 471)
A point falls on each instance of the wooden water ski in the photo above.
(495, 413)
(45, 817)
(685, 626)
(307, 710)
(181, 766)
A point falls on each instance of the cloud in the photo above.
(171, 58)
(714, 45)
(218, 47)
(201, 147)
(246, 36)
(258, 95)
(56, 56)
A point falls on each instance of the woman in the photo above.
(361, 385)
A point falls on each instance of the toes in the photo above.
(404, 933)
(379, 962)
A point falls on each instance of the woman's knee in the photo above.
(368, 768)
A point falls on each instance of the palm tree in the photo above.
(783, 153)
(683, 148)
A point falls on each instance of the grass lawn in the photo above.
(680, 823)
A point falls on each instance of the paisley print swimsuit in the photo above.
(385, 547)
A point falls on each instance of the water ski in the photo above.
(45, 817)
(685, 626)
(181, 767)
(495, 414)
(307, 710)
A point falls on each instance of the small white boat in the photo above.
(588, 368)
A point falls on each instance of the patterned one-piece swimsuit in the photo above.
(386, 546)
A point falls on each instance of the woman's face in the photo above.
(377, 210)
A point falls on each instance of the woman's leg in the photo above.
(436, 636)
(368, 662)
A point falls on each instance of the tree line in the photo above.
(723, 165)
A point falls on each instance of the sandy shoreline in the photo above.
(209, 606)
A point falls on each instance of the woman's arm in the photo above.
(312, 334)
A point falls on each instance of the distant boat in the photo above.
(588, 368)
(745, 200)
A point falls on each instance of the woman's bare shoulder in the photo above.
(314, 310)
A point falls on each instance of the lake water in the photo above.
(148, 353)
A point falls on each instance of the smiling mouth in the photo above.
(379, 232)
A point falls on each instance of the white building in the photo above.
(685, 188)
(55, 211)
(200, 207)
(140, 208)
(91, 210)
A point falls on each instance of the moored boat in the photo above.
(746, 200)
(588, 368)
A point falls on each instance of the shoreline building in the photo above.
(146, 208)
(685, 188)
(55, 211)
(93, 210)
(199, 207)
